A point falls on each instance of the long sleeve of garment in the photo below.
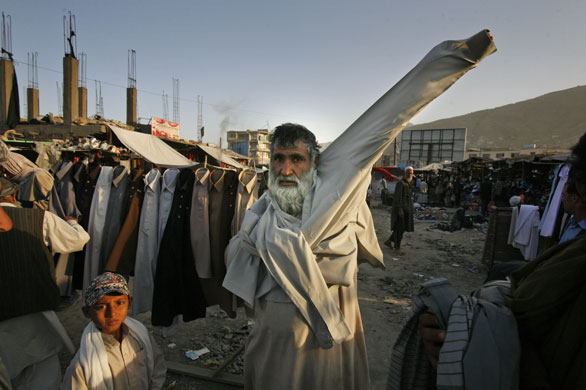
(63, 236)
(148, 244)
(96, 226)
(331, 235)
(344, 167)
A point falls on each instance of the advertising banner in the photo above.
(163, 128)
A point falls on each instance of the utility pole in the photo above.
(176, 114)
(165, 106)
(199, 118)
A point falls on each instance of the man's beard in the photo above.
(290, 198)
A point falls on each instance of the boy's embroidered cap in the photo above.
(103, 284)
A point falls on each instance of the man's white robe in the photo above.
(300, 274)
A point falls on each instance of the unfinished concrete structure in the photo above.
(131, 93)
(32, 103)
(6, 90)
(70, 89)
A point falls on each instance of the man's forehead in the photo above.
(300, 147)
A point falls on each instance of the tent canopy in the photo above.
(431, 167)
(220, 156)
(152, 148)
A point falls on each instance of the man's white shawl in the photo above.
(303, 259)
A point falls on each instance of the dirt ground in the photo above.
(384, 297)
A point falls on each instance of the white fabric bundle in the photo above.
(94, 359)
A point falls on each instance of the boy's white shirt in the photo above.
(94, 360)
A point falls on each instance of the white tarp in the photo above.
(431, 167)
(152, 149)
(220, 156)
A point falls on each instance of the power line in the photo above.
(187, 100)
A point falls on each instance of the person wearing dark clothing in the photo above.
(485, 195)
(402, 211)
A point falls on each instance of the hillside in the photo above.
(556, 119)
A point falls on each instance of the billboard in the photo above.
(164, 128)
(423, 147)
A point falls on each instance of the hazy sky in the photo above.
(321, 63)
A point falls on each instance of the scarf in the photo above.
(94, 360)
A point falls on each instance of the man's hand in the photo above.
(69, 218)
(432, 336)
(401, 213)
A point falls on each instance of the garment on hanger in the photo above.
(223, 186)
(123, 254)
(177, 288)
(246, 195)
(65, 187)
(114, 217)
(54, 201)
(147, 246)
(549, 220)
(168, 182)
(62, 202)
(97, 219)
(527, 231)
(200, 223)
(514, 216)
(553, 187)
(88, 178)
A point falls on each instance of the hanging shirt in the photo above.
(97, 219)
(222, 198)
(548, 224)
(200, 223)
(88, 177)
(114, 215)
(65, 187)
(246, 195)
(147, 246)
(123, 254)
(177, 288)
(169, 180)
(527, 231)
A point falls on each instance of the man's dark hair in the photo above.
(288, 134)
(571, 186)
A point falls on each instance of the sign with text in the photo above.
(164, 129)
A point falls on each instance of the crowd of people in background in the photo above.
(453, 190)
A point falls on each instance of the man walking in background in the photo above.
(402, 211)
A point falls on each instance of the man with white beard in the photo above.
(292, 169)
(295, 259)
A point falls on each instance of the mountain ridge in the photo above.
(553, 120)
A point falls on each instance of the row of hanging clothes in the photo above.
(167, 228)
(527, 227)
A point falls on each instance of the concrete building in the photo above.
(252, 143)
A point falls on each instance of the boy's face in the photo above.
(108, 313)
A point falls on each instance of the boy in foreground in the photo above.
(116, 352)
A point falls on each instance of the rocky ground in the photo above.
(384, 297)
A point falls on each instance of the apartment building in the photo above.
(252, 143)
